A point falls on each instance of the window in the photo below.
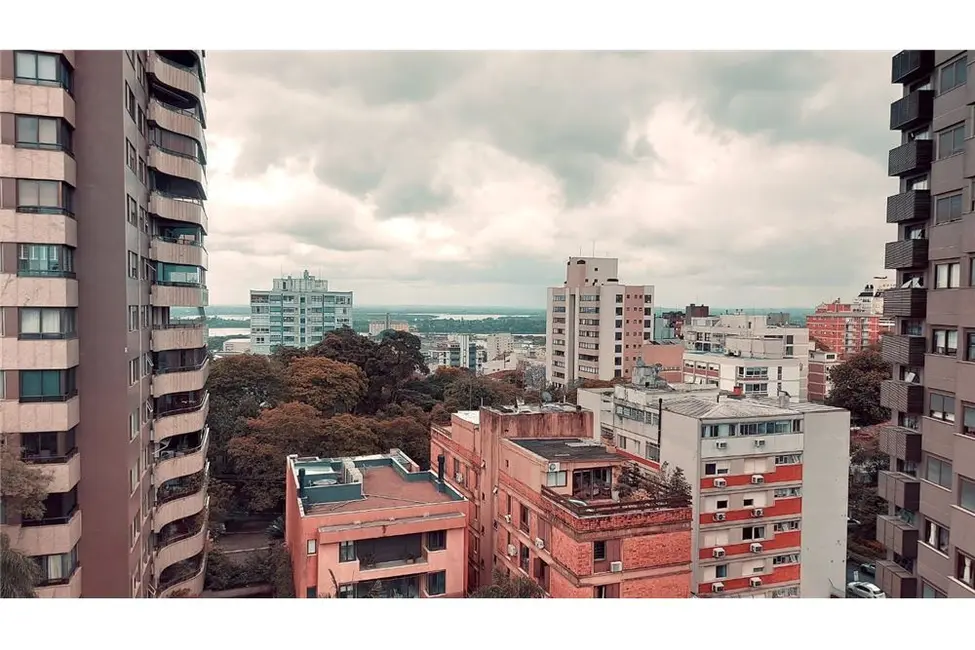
(786, 526)
(944, 342)
(347, 552)
(143, 172)
(938, 471)
(788, 459)
(970, 336)
(129, 101)
(45, 260)
(42, 70)
(951, 141)
(599, 551)
(141, 121)
(936, 535)
(968, 420)
(45, 197)
(953, 74)
(133, 266)
(524, 518)
(51, 133)
(346, 591)
(134, 371)
(56, 569)
(133, 318)
(965, 570)
(788, 558)
(47, 385)
(720, 571)
(947, 208)
(437, 583)
(787, 493)
(947, 276)
(133, 477)
(437, 540)
(311, 547)
(942, 407)
(753, 532)
(966, 494)
(721, 504)
(556, 479)
(747, 503)
(927, 591)
(132, 210)
(508, 500)
(47, 323)
(130, 155)
(133, 424)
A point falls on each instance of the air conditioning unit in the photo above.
(758, 512)
(755, 548)
(717, 587)
(718, 553)
(616, 567)
(539, 543)
(721, 444)
(553, 467)
(507, 519)
(459, 477)
(512, 551)
(758, 479)
(720, 482)
(719, 516)
(760, 443)
(755, 582)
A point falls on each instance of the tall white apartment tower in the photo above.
(297, 313)
(595, 325)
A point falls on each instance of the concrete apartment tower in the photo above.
(929, 528)
(102, 183)
(595, 325)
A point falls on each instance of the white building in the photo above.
(236, 346)
(768, 480)
(740, 351)
(595, 325)
(297, 312)
(871, 300)
(499, 346)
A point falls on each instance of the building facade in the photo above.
(820, 365)
(102, 168)
(844, 329)
(595, 325)
(769, 483)
(377, 327)
(929, 528)
(499, 346)
(296, 313)
(374, 527)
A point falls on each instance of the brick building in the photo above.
(845, 330)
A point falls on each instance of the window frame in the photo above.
(944, 349)
(67, 322)
(435, 540)
(311, 547)
(955, 135)
(949, 266)
(943, 413)
(966, 484)
(67, 385)
(934, 529)
(948, 201)
(63, 133)
(64, 192)
(436, 583)
(598, 556)
(967, 420)
(953, 66)
(64, 73)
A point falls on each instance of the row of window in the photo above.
(53, 260)
(942, 407)
(731, 430)
(45, 197)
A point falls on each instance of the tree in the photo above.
(283, 355)
(330, 386)
(470, 392)
(349, 435)
(18, 573)
(856, 387)
(866, 461)
(572, 391)
(23, 489)
(345, 345)
(407, 433)
(504, 586)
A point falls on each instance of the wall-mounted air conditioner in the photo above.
(755, 582)
(719, 516)
(721, 444)
(539, 543)
(759, 443)
(758, 512)
(758, 479)
(717, 587)
(720, 483)
(755, 548)
(512, 551)
(718, 553)
(616, 567)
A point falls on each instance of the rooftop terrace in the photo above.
(566, 449)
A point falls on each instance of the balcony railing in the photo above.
(906, 302)
(901, 396)
(912, 110)
(897, 535)
(908, 66)
(161, 370)
(895, 580)
(49, 520)
(904, 350)
(911, 158)
(182, 323)
(900, 442)
(903, 490)
(37, 459)
(182, 408)
(914, 205)
(906, 254)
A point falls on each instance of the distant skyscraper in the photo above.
(297, 313)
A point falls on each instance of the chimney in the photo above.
(301, 482)
(441, 462)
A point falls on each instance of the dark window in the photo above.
(938, 471)
(721, 571)
(347, 552)
(174, 143)
(346, 591)
(47, 323)
(43, 133)
(753, 532)
(132, 210)
(619, 323)
(951, 141)
(954, 74)
(936, 535)
(437, 540)
(948, 208)
(524, 519)
(619, 311)
(45, 260)
(56, 569)
(47, 385)
(965, 570)
(508, 499)
(42, 69)
(619, 297)
(437, 583)
(968, 420)
(48, 447)
(599, 551)
(944, 342)
(45, 197)
(129, 101)
(311, 592)
(966, 494)
(927, 591)
(942, 407)
(710, 469)
(130, 155)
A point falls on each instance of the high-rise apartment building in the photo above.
(596, 326)
(102, 183)
(844, 329)
(929, 528)
(296, 313)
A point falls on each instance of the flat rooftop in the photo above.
(550, 407)
(363, 483)
(566, 449)
(729, 408)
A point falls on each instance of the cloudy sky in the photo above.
(734, 179)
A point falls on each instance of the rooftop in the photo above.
(730, 408)
(474, 417)
(549, 407)
(338, 485)
(566, 449)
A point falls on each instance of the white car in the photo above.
(864, 590)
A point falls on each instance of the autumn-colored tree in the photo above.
(348, 435)
(23, 489)
(504, 586)
(439, 415)
(406, 433)
(283, 355)
(470, 392)
(856, 387)
(330, 386)
(344, 345)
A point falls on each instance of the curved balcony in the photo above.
(50, 536)
(178, 251)
(180, 380)
(177, 208)
(181, 78)
(181, 421)
(173, 294)
(182, 545)
(179, 335)
(176, 119)
(187, 578)
(179, 166)
(183, 501)
(182, 463)
(40, 417)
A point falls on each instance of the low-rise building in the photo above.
(669, 355)
(499, 346)
(374, 527)
(820, 365)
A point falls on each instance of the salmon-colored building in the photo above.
(845, 330)
(558, 506)
(374, 527)
(670, 357)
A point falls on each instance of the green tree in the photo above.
(18, 573)
(503, 586)
(866, 461)
(856, 387)
(470, 392)
(23, 489)
(330, 386)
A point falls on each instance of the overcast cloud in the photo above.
(734, 179)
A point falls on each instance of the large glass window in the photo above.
(45, 197)
(47, 323)
(45, 259)
(57, 569)
(47, 385)
(35, 132)
(42, 69)
(178, 274)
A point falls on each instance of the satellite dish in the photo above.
(546, 396)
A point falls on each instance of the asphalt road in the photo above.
(853, 565)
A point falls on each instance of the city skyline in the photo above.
(382, 172)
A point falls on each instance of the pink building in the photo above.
(374, 527)
(670, 356)
(596, 326)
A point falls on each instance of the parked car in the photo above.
(869, 568)
(864, 590)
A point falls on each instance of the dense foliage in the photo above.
(23, 489)
(505, 586)
(856, 387)
(271, 566)
(348, 395)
